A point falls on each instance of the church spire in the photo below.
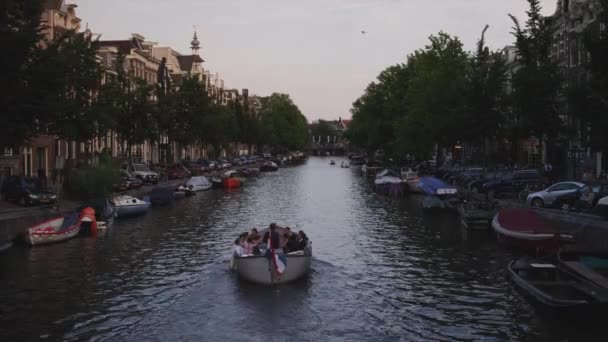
(195, 44)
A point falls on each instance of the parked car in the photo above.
(208, 165)
(237, 162)
(557, 195)
(477, 185)
(27, 191)
(195, 168)
(514, 183)
(177, 171)
(127, 182)
(468, 175)
(142, 171)
(224, 163)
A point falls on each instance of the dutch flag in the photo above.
(279, 262)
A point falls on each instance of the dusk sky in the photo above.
(312, 49)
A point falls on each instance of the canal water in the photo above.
(383, 271)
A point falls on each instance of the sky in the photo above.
(311, 49)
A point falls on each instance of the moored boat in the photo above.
(200, 183)
(588, 265)
(105, 212)
(438, 194)
(411, 179)
(526, 230)
(269, 167)
(127, 206)
(58, 229)
(162, 196)
(231, 183)
(388, 182)
(551, 287)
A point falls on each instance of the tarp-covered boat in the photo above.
(127, 206)
(437, 193)
(200, 183)
(389, 182)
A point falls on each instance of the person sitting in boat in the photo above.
(254, 234)
(292, 244)
(302, 240)
(238, 249)
(248, 246)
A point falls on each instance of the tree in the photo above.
(218, 127)
(283, 126)
(129, 104)
(19, 30)
(436, 101)
(189, 107)
(592, 98)
(321, 129)
(486, 95)
(72, 76)
(376, 114)
(536, 84)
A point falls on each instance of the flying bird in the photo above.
(363, 32)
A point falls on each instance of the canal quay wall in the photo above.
(14, 220)
(590, 231)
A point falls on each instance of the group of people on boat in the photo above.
(283, 240)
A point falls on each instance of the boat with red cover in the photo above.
(523, 228)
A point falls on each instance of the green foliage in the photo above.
(592, 99)
(90, 182)
(129, 106)
(441, 96)
(19, 35)
(283, 126)
(536, 83)
(437, 90)
(72, 77)
(321, 129)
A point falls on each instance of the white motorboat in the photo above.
(411, 178)
(200, 183)
(262, 270)
(130, 206)
(259, 269)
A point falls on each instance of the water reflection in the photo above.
(382, 270)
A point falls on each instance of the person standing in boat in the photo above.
(275, 238)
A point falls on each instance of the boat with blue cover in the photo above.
(437, 193)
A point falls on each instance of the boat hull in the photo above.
(528, 241)
(132, 210)
(561, 294)
(40, 235)
(232, 183)
(256, 269)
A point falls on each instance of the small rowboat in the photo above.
(552, 287)
(523, 228)
(54, 230)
